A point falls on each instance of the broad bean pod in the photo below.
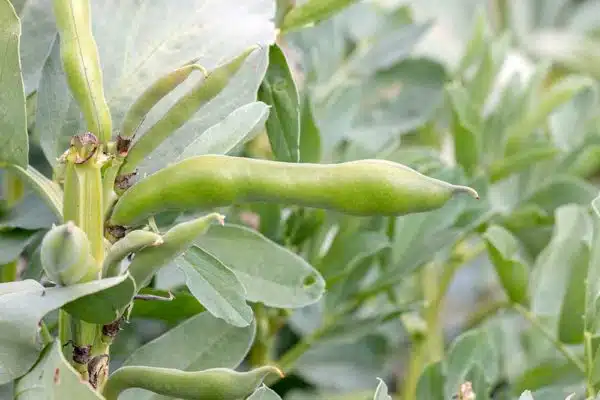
(132, 242)
(210, 384)
(183, 110)
(175, 241)
(152, 95)
(81, 63)
(362, 188)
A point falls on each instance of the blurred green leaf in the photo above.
(466, 125)
(53, 377)
(13, 242)
(278, 91)
(264, 393)
(501, 169)
(510, 262)
(14, 141)
(312, 11)
(558, 190)
(270, 273)
(30, 213)
(215, 286)
(310, 137)
(381, 393)
(431, 383)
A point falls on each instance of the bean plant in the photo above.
(304, 200)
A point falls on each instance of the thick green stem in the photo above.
(12, 191)
(260, 353)
(589, 364)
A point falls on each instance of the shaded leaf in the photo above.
(183, 306)
(278, 90)
(310, 136)
(431, 383)
(30, 213)
(13, 242)
(14, 141)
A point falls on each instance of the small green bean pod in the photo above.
(81, 63)
(152, 95)
(183, 110)
(210, 384)
(361, 188)
(133, 242)
(175, 241)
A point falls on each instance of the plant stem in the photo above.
(12, 190)
(260, 353)
(64, 330)
(589, 364)
(529, 316)
(484, 312)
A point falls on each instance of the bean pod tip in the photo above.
(466, 189)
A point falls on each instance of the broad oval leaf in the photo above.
(201, 342)
(270, 273)
(14, 140)
(54, 378)
(22, 305)
(215, 286)
(278, 90)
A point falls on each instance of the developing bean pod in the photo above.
(81, 63)
(183, 110)
(210, 384)
(366, 187)
(177, 240)
(152, 95)
(132, 242)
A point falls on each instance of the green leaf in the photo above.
(466, 127)
(201, 342)
(431, 383)
(46, 189)
(215, 286)
(501, 169)
(559, 190)
(105, 306)
(310, 137)
(22, 305)
(53, 377)
(30, 213)
(270, 273)
(14, 141)
(553, 267)
(592, 287)
(13, 242)
(135, 54)
(471, 349)
(233, 131)
(264, 393)
(381, 393)
(312, 11)
(278, 90)
(510, 262)
(183, 306)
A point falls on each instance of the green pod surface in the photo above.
(132, 242)
(152, 95)
(183, 110)
(81, 63)
(366, 187)
(65, 255)
(177, 240)
(210, 384)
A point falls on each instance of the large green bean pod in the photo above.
(81, 63)
(362, 188)
(210, 384)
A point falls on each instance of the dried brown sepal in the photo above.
(83, 147)
(98, 369)
(123, 145)
(114, 232)
(125, 181)
(81, 354)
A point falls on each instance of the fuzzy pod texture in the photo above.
(164, 85)
(361, 188)
(66, 255)
(210, 384)
(133, 242)
(81, 63)
(183, 110)
(175, 241)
